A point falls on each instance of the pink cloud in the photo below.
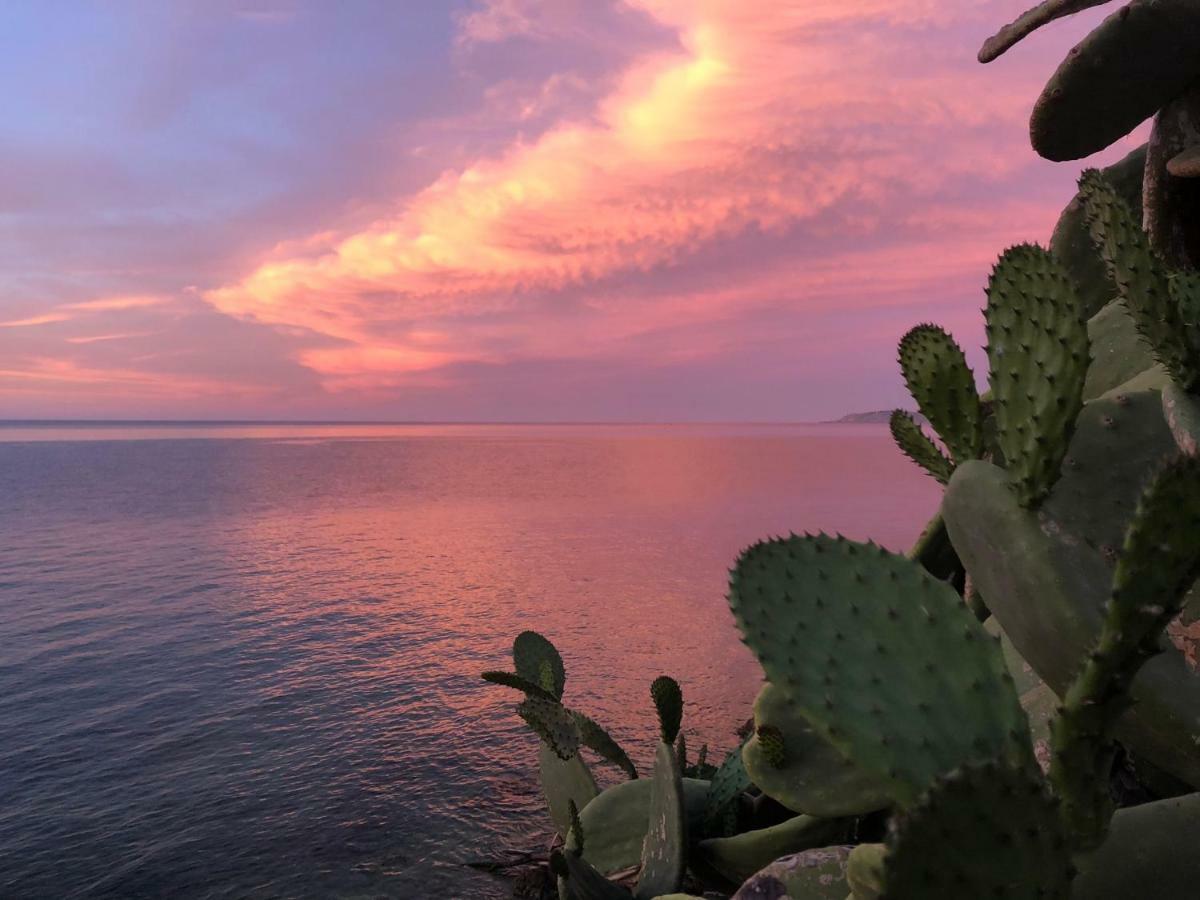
(760, 117)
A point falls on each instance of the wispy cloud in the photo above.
(32, 321)
(760, 117)
(97, 338)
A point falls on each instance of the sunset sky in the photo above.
(503, 209)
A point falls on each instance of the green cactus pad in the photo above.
(1071, 243)
(1158, 564)
(1052, 604)
(664, 850)
(553, 724)
(1038, 359)
(564, 781)
(1149, 849)
(668, 702)
(740, 856)
(1119, 352)
(812, 875)
(595, 738)
(729, 782)
(938, 378)
(1166, 309)
(816, 777)
(538, 661)
(884, 661)
(616, 821)
(1182, 412)
(916, 445)
(1030, 21)
(1138, 60)
(982, 831)
(864, 871)
(509, 679)
(681, 750)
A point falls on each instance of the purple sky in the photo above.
(504, 209)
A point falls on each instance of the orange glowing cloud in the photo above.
(756, 117)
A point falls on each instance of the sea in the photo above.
(242, 660)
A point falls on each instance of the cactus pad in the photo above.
(885, 662)
(1138, 60)
(740, 856)
(616, 821)
(1038, 358)
(983, 831)
(1072, 242)
(1028, 22)
(508, 679)
(668, 702)
(729, 782)
(664, 851)
(564, 782)
(1143, 853)
(553, 724)
(595, 738)
(1165, 309)
(938, 378)
(1052, 604)
(1119, 352)
(538, 661)
(916, 445)
(816, 777)
(1157, 566)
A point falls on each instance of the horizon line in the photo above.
(5, 422)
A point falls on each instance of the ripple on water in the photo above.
(248, 668)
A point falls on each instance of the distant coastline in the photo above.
(874, 417)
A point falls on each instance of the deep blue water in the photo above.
(242, 661)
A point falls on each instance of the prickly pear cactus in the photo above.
(918, 447)
(1158, 565)
(1038, 358)
(940, 381)
(884, 662)
(664, 852)
(997, 834)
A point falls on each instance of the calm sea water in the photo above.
(242, 661)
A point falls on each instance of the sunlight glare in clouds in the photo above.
(757, 116)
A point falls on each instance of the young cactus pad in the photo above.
(917, 446)
(728, 783)
(938, 378)
(1038, 357)
(538, 661)
(1166, 309)
(815, 777)
(884, 661)
(668, 702)
(553, 724)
